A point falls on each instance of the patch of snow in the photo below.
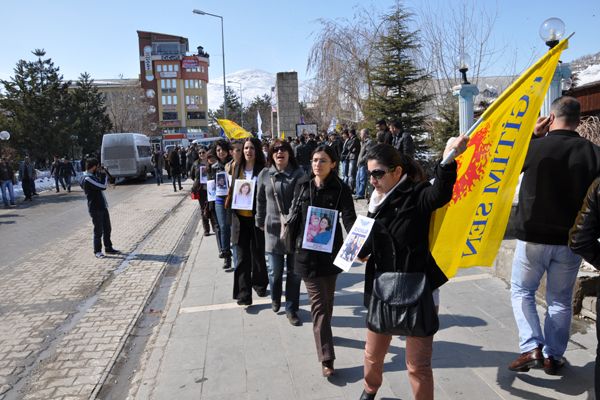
(44, 182)
(589, 75)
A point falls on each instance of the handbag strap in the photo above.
(276, 196)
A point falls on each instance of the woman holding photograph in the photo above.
(222, 151)
(280, 178)
(322, 189)
(243, 197)
(401, 204)
(251, 269)
(208, 217)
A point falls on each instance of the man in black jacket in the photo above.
(94, 182)
(402, 140)
(559, 167)
(583, 240)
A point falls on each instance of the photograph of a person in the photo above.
(353, 243)
(243, 194)
(211, 190)
(203, 174)
(222, 183)
(319, 229)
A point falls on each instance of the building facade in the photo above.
(175, 82)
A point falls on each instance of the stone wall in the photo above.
(288, 108)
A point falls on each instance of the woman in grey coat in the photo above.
(281, 175)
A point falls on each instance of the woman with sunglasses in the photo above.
(275, 191)
(322, 189)
(251, 269)
(401, 204)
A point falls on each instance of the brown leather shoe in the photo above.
(531, 359)
(553, 365)
(327, 367)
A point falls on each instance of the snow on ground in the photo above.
(43, 182)
(589, 75)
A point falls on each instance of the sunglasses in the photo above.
(379, 173)
(277, 149)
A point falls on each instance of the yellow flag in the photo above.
(282, 134)
(468, 231)
(233, 130)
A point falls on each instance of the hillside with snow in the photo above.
(255, 82)
(586, 69)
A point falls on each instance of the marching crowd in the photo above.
(293, 179)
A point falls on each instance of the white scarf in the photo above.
(378, 199)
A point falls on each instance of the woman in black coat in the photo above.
(401, 204)
(323, 189)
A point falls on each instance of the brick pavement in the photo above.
(64, 315)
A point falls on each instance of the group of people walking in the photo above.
(265, 242)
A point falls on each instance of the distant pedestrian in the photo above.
(182, 162)
(67, 172)
(198, 172)
(353, 149)
(55, 168)
(94, 182)
(175, 167)
(383, 134)
(158, 163)
(361, 175)
(302, 154)
(27, 175)
(402, 139)
(7, 180)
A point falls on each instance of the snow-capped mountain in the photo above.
(586, 68)
(254, 82)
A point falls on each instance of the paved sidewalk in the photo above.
(209, 348)
(64, 315)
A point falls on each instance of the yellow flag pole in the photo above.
(507, 93)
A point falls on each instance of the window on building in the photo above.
(162, 84)
(166, 48)
(170, 68)
(174, 83)
(186, 83)
(176, 67)
(175, 100)
(164, 100)
(169, 116)
(196, 115)
(159, 68)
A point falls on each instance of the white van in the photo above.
(126, 155)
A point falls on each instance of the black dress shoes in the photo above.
(553, 365)
(293, 318)
(531, 359)
(367, 396)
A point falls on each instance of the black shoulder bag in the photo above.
(402, 304)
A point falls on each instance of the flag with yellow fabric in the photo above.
(468, 231)
(233, 130)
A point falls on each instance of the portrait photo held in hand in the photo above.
(203, 174)
(319, 229)
(222, 183)
(354, 242)
(243, 194)
(211, 190)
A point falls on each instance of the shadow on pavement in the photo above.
(450, 320)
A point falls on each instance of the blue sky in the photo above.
(100, 36)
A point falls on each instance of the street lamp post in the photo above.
(4, 136)
(465, 92)
(241, 101)
(200, 12)
(551, 31)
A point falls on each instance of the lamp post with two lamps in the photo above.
(200, 12)
(241, 101)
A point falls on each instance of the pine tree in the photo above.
(90, 118)
(233, 108)
(446, 125)
(262, 104)
(396, 93)
(36, 101)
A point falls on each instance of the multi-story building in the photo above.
(176, 84)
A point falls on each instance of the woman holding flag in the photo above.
(402, 204)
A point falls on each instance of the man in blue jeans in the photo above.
(559, 167)
(361, 175)
(7, 177)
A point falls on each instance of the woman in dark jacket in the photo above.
(251, 269)
(281, 176)
(322, 189)
(401, 204)
(222, 151)
(208, 217)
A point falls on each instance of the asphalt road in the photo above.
(51, 216)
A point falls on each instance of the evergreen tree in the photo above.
(233, 108)
(446, 125)
(262, 104)
(36, 101)
(396, 82)
(90, 118)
